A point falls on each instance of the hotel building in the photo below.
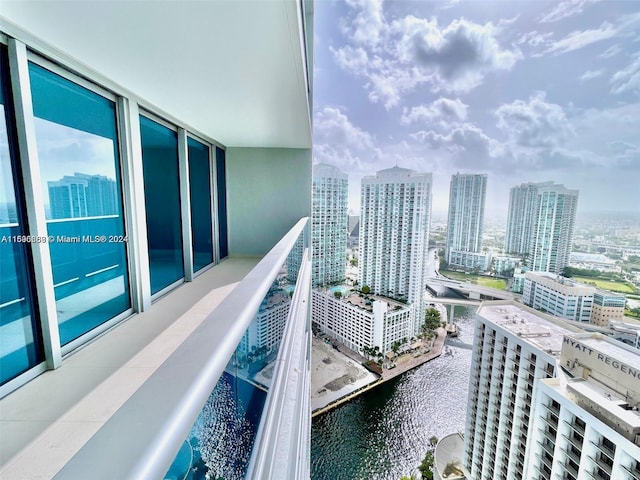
(514, 347)
(197, 115)
(329, 223)
(540, 224)
(357, 322)
(586, 422)
(394, 235)
(467, 195)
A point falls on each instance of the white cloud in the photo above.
(443, 110)
(611, 51)
(627, 79)
(396, 57)
(332, 126)
(535, 39)
(368, 26)
(351, 59)
(564, 10)
(591, 74)
(468, 145)
(580, 39)
(534, 123)
(459, 55)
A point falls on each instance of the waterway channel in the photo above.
(384, 433)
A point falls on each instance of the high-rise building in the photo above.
(540, 224)
(467, 195)
(514, 346)
(586, 422)
(522, 210)
(81, 195)
(394, 235)
(329, 224)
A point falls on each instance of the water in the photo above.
(384, 434)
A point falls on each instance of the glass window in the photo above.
(162, 203)
(80, 167)
(20, 342)
(221, 182)
(200, 194)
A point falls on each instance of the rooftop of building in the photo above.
(612, 348)
(542, 331)
(360, 300)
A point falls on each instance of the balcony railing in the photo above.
(252, 356)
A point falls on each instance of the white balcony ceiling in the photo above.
(233, 70)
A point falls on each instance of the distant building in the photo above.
(329, 224)
(503, 264)
(558, 296)
(356, 322)
(467, 195)
(81, 195)
(514, 347)
(572, 300)
(540, 224)
(265, 332)
(394, 235)
(607, 306)
(353, 231)
(469, 260)
(626, 332)
(593, 261)
(586, 424)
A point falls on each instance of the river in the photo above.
(384, 434)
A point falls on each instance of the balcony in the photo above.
(126, 404)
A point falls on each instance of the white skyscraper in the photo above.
(394, 235)
(514, 346)
(586, 422)
(549, 401)
(466, 215)
(540, 224)
(329, 224)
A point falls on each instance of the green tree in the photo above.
(365, 289)
(337, 294)
(432, 319)
(426, 467)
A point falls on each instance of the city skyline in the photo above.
(524, 92)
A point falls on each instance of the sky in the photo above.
(523, 91)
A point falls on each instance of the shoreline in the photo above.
(404, 364)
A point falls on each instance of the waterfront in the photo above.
(384, 433)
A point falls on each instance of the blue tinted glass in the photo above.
(221, 181)
(80, 169)
(20, 344)
(200, 184)
(162, 201)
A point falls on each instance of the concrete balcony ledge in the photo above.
(47, 421)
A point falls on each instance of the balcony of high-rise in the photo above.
(155, 265)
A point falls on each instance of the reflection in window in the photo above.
(80, 169)
(221, 183)
(20, 343)
(162, 203)
(200, 195)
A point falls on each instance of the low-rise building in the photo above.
(357, 322)
(607, 306)
(469, 260)
(558, 296)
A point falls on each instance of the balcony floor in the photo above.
(45, 422)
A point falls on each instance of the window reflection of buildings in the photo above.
(82, 195)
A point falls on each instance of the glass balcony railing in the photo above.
(232, 402)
